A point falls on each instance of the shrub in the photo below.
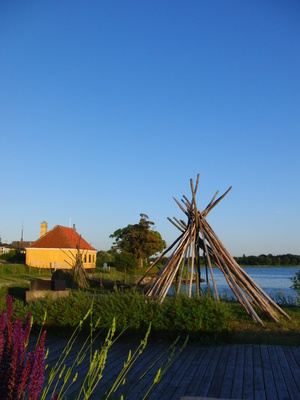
(203, 318)
(296, 282)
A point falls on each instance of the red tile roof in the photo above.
(61, 237)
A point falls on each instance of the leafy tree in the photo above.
(139, 240)
(104, 257)
(125, 262)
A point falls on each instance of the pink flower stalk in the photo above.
(9, 310)
(2, 327)
(19, 374)
(38, 369)
(16, 365)
(25, 376)
(26, 334)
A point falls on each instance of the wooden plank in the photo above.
(158, 392)
(248, 386)
(258, 378)
(217, 381)
(150, 361)
(238, 378)
(179, 378)
(227, 383)
(291, 384)
(195, 384)
(269, 383)
(280, 385)
(228, 371)
(209, 372)
(292, 356)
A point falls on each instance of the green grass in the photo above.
(14, 273)
(203, 319)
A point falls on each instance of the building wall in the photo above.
(59, 258)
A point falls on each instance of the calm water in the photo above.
(275, 281)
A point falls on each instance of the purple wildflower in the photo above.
(38, 370)
(14, 371)
(27, 327)
(2, 339)
(9, 325)
(16, 364)
(25, 375)
(26, 335)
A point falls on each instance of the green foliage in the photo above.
(263, 259)
(125, 262)
(204, 319)
(296, 283)
(104, 257)
(13, 256)
(11, 273)
(139, 239)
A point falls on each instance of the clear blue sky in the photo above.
(108, 108)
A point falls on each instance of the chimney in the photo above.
(44, 228)
(74, 229)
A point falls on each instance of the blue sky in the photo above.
(108, 108)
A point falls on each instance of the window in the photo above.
(85, 258)
(89, 258)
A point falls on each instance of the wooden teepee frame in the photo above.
(197, 235)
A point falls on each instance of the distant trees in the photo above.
(263, 259)
(139, 240)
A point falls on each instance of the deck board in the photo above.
(270, 387)
(214, 371)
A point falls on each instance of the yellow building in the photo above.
(57, 249)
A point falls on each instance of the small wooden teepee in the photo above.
(197, 235)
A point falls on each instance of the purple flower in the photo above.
(25, 376)
(16, 364)
(27, 327)
(38, 370)
(2, 339)
(9, 325)
(26, 334)
(15, 372)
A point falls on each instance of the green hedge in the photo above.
(203, 319)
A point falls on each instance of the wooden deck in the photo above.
(220, 371)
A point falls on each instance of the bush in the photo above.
(203, 318)
(296, 282)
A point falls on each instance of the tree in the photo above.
(125, 262)
(139, 240)
(104, 257)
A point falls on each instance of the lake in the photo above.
(275, 281)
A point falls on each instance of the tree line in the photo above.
(263, 259)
